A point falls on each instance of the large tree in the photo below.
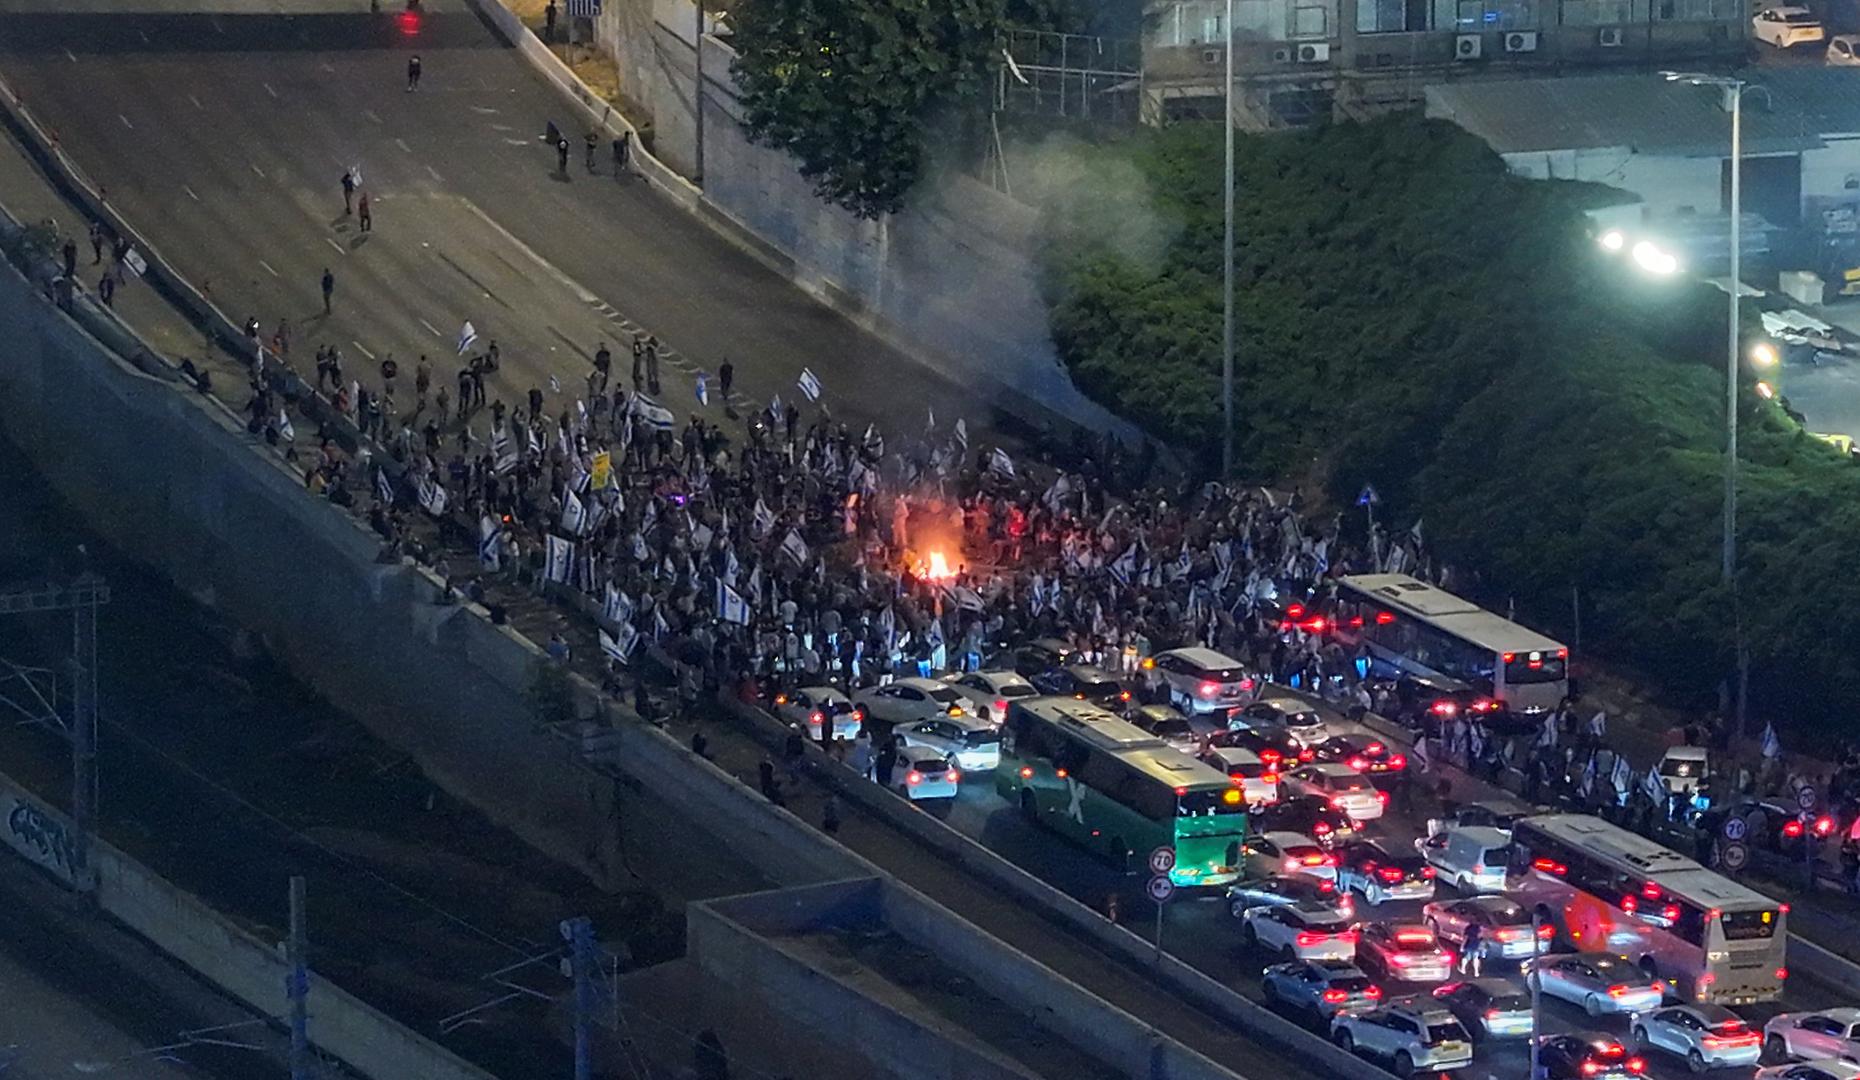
(852, 87)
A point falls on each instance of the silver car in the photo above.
(1707, 1036)
(1599, 982)
(1410, 1038)
(1504, 926)
(1322, 988)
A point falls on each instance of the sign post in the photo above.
(1160, 889)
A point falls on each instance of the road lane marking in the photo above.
(143, 34)
(431, 327)
(516, 142)
(259, 171)
(190, 193)
(363, 349)
(485, 110)
(270, 91)
(402, 143)
(434, 173)
(125, 121)
(339, 248)
(269, 269)
(213, 20)
(71, 56)
(197, 103)
(370, 114)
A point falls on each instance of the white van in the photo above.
(1683, 769)
(1472, 858)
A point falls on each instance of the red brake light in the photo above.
(1546, 931)
(913, 777)
(1123, 695)
(1383, 795)
(1792, 828)
(1026, 772)
(409, 22)
(1427, 872)
(1209, 689)
(1670, 913)
(816, 717)
(1181, 791)
(1784, 908)
(1359, 763)
(1271, 778)
(1619, 990)
(1383, 618)
(1307, 938)
(1374, 993)
(1509, 657)
(1590, 1068)
(1356, 621)
(1333, 997)
(1271, 757)
(1246, 683)
(1782, 973)
(1313, 859)
(1636, 1065)
(1398, 761)
(1444, 708)
(1563, 654)
(1296, 611)
(1630, 903)
(1549, 866)
(1061, 773)
(1824, 826)
(953, 775)
(1650, 890)
(1415, 937)
(1307, 754)
(1316, 625)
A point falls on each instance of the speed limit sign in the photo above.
(1735, 828)
(1162, 860)
(1733, 856)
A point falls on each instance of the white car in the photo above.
(1828, 1033)
(925, 774)
(907, 701)
(1505, 930)
(1411, 1038)
(1472, 859)
(1259, 784)
(972, 743)
(1707, 1036)
(1786, 27)
(1199, 680)
(1683, 768)
(1599, 982)
(1289, 715)
(1287, 853)
(1844, 50)
(1346, 789)
(811, 705)
(1300, 931)
(1830, 1069)
(991, 691)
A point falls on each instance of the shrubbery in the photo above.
(1412, 315)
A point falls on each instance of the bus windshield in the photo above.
(1206, 803)
(1747, 925)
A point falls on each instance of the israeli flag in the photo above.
(1182, 565)
(653, 413)
(795, 548)
(1036, 597)
(488, 536)
(1654, 787)
(638, 549)
(285, 430)
(967, 599)
(660, 627)
(1623, 778)
(775, 408)
(764, 520)
(731, 607)
(874, 442)
(1125, 565)
(1772, 746)
(432, 497)
(731, 568)
(560, 562)
(574, 514)
(555, 385)
(617, 607)
(809, 384)
(962, 432)
(703, 391)
(888, 629)
(467, 335)
(384, 485)
(1001, 463)
(701, 538)
(620, 645)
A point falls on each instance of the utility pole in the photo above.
(582, 960)
(697, 93)
(1227, 260)
(297, 986)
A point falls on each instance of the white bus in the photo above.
(1609, 890)
(1413, 628)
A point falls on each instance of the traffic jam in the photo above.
(1422, 944)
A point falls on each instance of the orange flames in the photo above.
(934, 567)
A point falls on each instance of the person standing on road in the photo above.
(561, 155)
(603, 363)
(593, 142)
(366, 214)
(329, 289)
(106, 289)
(413, 74)
(726, 376)
(348, 192)
(1472, 951)
(464, 392)
(652, 364)
(536, 402)
(830, 816)
(549, 13)
(422, 382)
(639, 361)
(96, 242)
(70, 256)
(622, 150)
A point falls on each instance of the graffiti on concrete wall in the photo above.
(35, 833)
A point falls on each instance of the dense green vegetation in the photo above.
(1412, 315)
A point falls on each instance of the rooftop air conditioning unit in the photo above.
(1608, 37)
(1282, 55)
(1468, 47)
(1213, 56)
(1316, 53)
(1521, 41)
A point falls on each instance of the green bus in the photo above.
(1084, 773)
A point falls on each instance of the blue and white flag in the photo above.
(617, 608)
(555, 385)
(467, 335)
(731, 568)
(637, 548)
(1001, 463)
(703, 390)
(560, 561)
(489, 536)
(1623, 779)
(1125, 565)
(1654, 786)
(1182, 565)
(384, 485)
(621, 646)
(285, 430)
(574, 514)
(432, 497)
(660, 627)
(731, 607)
(795, 548)
(962, 432)
(1772, 746)
(651, 412)
(775, 408)
(888, 629)
(809, 384)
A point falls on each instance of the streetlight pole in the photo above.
(1227, 259)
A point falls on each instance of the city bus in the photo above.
(1079, 770)
(1412, 628)
(1605, 889)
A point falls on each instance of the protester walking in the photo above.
(329, 289)
(348, 192)
(413, 74)
(365, 213)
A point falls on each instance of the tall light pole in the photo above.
(1227, 259)
(1733, 89)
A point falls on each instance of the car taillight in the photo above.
(1670, 913)
(1330, 860)
(1415, 937)
(1620, 990)
(1026, 772)
(1398, 761)
(1313, 860)
(1792, 828)
(1374, 993)
(1209, 689)
(1630, 904)
(953, 775)
(816, 718)
(1333, 997)
(1271, 757)
(913, 777)
(1782, 973)
(1546, 931)
(1390, 874)
(1000, 706)
(1444, 708)
(1271, 778)
(1306, 939)
(1307, 754)
(1246, 683)
(1359, 763)
(1382, 795)
(1509, 933)
(1590, 1068)
(1320, 829)
(1493, 1014)
(1123, 695)
(1733, 1039)
(1549, 866)
(1427, 872)
(1336, 804)
(1636, 1065)
(859, 714)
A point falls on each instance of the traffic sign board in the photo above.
(1733, 856)
(1162, 860)
(1735, 828)
(1161, 889)
(1805, 797)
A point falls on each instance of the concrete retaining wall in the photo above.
(248, 969)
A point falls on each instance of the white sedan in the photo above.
(1844, 50)
(1707, 1036)
(812, 705)
(907, 701)
(1344, 787)
(1831, 1069)
(925, 774)
(991, 691)
(973, 744)
(1300, 931)
(1287, 854)
(1828, 1033)
(1786, 27)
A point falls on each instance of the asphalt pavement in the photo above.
(222, 130)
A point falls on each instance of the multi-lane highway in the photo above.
(222, 130)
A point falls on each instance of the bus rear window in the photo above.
(1207, 803)
(1748, 925)
(1546, 668)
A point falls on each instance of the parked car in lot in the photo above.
(1504, 926)
(1825, 1033)
(1289, 715)
(1405, 951)
(1490, 1008)
(1786, 27)
(1298, 932)
(1322, 988)
(1707, 1036)
(1312, 815)
(1346, 789)
(925, 774)
(1084, 682)
(811, 706)
(1279, 890)
(1588, 1055)
(991, 691)
(1472, 859)
(1365, 868)
(1198, 680)
(1259, 783)
(1166, 724)
(906, 701)
(1287, 853)
(1601, 983)
(1411, 1038)
(972, 743)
